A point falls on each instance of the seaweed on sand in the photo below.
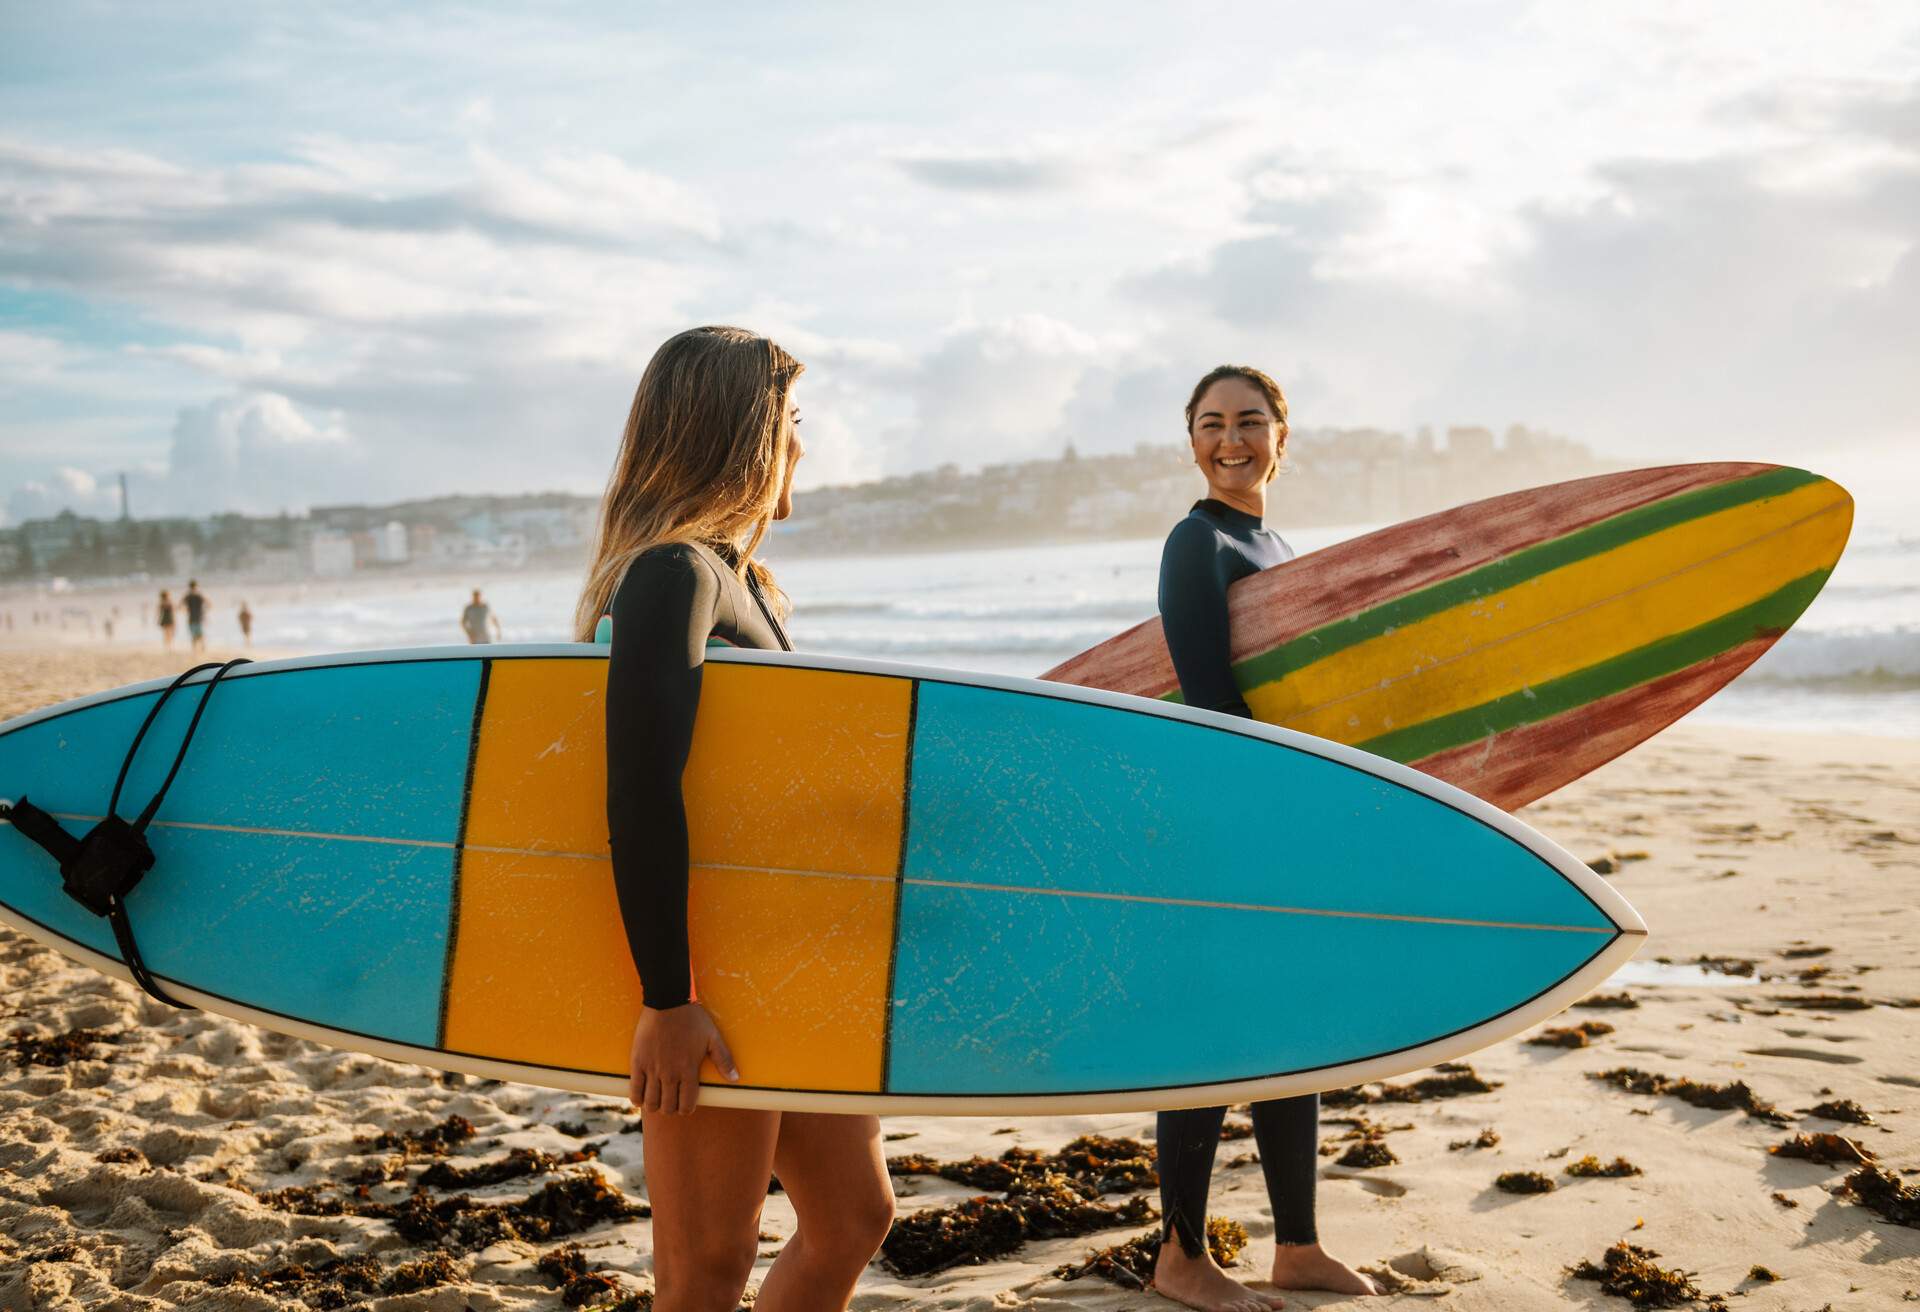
(1130, 1265)
(1736, 1096)
(982, 1229)
(1105, 1165)
(404, 1145)
(1826, 1149)
(563, 1207)
(58, 1049)
(1524, 1182)
(303, 1200)
(1843, 1109)
(1879, 1189)
(1742, 966)
(343, 1281)
(434, 1141)
(1487, 1138)
(1366, 1153)
(1110, 1165)
(1622, 1000)
(1627, 1271)
(518, 1162)
(1571, 1036)
(1455, 1080)
(567, 1267)
(1591, 1167)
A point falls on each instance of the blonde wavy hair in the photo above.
(701, 460)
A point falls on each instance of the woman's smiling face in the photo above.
(1236, 437)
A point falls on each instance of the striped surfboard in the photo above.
(1513, 645)
(911, 890)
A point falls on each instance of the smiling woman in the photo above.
(1237, 426)
(1237, 423)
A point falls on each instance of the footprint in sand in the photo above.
(1377, 1185)
(1425, 1273)
(1808, 1054)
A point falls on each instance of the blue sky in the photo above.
(263, 256)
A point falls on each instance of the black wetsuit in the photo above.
(672, 603)
(1212, 548)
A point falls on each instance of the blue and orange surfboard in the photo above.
(913, 890)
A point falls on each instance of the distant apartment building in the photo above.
(390, 543)
(330, 554)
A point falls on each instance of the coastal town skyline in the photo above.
(1334, 476)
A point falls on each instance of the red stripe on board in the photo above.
(1524, 764)
(1279, 604)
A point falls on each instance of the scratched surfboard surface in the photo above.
(1513, 645)
(912, 890)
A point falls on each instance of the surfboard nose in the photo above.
(1068, 888)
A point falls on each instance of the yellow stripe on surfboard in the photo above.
(541, 972)
(1572, 618)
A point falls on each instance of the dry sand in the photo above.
(129, 1177)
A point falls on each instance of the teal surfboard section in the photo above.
(1380, 917)
(274, 898)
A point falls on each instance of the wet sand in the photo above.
(148, 1164)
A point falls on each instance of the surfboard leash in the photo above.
(99, 869)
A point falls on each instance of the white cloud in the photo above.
(1614, 221)
(994, 391)
(66, 488)
(257, 452)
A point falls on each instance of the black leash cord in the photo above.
(100, 869)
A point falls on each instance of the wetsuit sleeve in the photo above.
(662, 615)
(1193, 614)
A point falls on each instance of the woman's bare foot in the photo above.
(1200, 1283)
(1309, 1266)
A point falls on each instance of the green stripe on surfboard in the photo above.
(1664, 656)
(1509, 571)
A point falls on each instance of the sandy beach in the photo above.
(153, 1158)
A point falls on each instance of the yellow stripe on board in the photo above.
(810, 775)
(1572, 617)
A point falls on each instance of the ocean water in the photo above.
(1851, 664)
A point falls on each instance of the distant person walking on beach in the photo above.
(475, 619)
(246, 625)
(196, 603)
(165, 614)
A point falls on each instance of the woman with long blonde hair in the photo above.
(705, 467)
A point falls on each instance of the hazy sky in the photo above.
(260, 255)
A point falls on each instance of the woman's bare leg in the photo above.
(833, 1169)
(707, 1176)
